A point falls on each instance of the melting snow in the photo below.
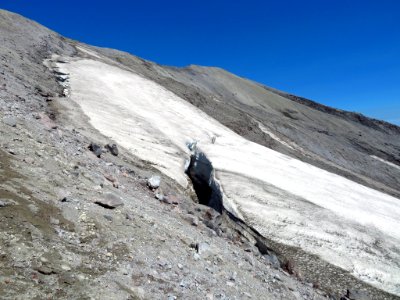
(284, 198)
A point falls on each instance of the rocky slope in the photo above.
(80, 223)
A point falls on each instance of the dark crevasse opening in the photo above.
(201, 173)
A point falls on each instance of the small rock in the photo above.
(29, 160)
(67, 279)
(194, 220)
(110, 200)
(10, 121)
(64, 196)
(139, 291)
(96, 149)
(171, 199)
(277, 277)
(273, 260)
(65, 268)
(44, 259)
(154, 182)
(3, 203)
(247, 295)
(54, 221)
(289, 266)
(233, 276)
(45, 270)
(129, 216)
(203, 247)
(80, 277)
(113, 149)
(110, 178)
(125, 271)
(107, 217)
(33, 208)
(159, 196)
(65, 199)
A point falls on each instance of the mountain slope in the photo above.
(334, 233)
(281, 197)
(342, 142)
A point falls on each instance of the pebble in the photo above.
(65, 267)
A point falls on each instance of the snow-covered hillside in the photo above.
(345, 223)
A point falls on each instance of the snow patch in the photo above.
(292, 201)
(275, 137)
(386, 162)
(87, 51)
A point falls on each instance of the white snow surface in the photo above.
(347, 224)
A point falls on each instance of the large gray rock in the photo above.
(96, 149)
(203, 249)
(154, 182)
(109, 200)
(113, 149)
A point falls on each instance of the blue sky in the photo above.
(344, 54)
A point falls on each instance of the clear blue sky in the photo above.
(344, 54)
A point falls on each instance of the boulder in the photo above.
(202, 248)
(154, 182)
(96, 149)
(113, 149)
(110, 201)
